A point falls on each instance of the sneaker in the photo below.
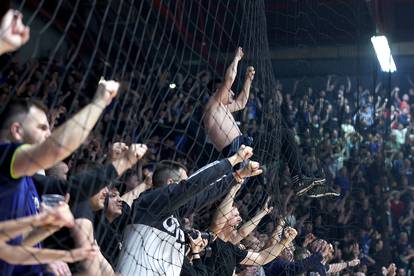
(322, 191)
(304, 183)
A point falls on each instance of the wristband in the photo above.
(237, 177)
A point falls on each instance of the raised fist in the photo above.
(107, 90)
(118, 150)
(244, 153)
(251, 169)
(250, 72)
(309, 238)
(136, 152)
(290, 234)
(13, 34)
(239, 53)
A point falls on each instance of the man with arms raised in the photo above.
(27, 146)
(222, 129)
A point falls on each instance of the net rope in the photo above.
(167, 56)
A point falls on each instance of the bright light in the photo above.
(382, 49)
(173, 85)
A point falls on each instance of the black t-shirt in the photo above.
(109, 235)
(83, 210)
(224, 258)
(62, 239)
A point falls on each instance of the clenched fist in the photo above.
(107, 90)
(290, 234)
(13, 33)
(251, 169)
(239, 53)
(250, 72)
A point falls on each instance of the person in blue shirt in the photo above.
(27, 145)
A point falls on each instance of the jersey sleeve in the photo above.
(7, 156)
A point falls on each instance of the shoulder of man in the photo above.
(7, 155)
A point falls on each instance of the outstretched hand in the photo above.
(13, 33)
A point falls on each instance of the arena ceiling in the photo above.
(290, 23)
(332, 22)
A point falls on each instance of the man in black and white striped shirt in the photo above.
(154, 241)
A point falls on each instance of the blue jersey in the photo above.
(18, 198)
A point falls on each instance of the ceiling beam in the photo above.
(328, 52)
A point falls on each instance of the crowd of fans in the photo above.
(362, 139)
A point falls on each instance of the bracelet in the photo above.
(237, 177)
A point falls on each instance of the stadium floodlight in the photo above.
(383, 52)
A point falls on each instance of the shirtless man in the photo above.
(224, 133)
(221, 127)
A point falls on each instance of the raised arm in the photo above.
(182, 194)
(241, 101)
(217, 190)
(29, 159)
(301, 266)
(221, 215)
(129, 197)
(230, 76)
(250, 225)
(267, 255)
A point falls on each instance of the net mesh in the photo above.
(170, 56)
